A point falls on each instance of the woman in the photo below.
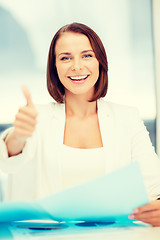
(80, 137)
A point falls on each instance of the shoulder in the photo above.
(50, 111)
(119, 110)
(125, 118)
(49, 108)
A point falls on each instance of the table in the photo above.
(120, 232)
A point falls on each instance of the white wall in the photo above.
(156, 35)
(126, 34)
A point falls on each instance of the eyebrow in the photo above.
(67, 53)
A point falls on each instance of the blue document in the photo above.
(5, 233)
(111, 197)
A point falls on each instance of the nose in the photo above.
(77, 64)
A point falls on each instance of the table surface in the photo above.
(140, 232)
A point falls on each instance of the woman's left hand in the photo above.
(149, 213)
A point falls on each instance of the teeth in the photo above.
(78, 77)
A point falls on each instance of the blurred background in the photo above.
(126, 30)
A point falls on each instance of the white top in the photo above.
(81, 165)
(37, 171)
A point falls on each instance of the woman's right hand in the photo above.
(24, 125)
(25, 120)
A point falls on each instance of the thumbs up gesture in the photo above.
(24, 125)
(25, 120)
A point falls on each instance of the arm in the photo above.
(143, 151)
(24, 126)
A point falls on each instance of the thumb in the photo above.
(27, 95)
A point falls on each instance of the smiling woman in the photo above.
(80, 137)
(76, 51)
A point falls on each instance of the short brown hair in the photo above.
(55, 87)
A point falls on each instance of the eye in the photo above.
(65, 58)
(87, 56)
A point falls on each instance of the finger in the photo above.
(22, 133)
(148, 214)
(154, 221)
(30, 112)
(27, 96)
(26, 119)
(153, 205)
(23, 125)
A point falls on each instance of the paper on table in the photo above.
(110, 197)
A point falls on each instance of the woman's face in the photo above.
(77, 66)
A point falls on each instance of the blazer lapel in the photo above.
(108, 133)
(60, 125)
(54, 148)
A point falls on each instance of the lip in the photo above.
(78, 79)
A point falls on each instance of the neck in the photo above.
(77, 106)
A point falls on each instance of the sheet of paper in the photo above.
(17, 211)
(111, 197)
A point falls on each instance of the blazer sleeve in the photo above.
(14, 163)
(143, 152)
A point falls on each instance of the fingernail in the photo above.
(131, 216)
(135, 210)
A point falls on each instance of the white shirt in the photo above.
(81, 165)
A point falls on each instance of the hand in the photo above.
(149, 213)
(25, 120)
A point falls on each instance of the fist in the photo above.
(25, 120)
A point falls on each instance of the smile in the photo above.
(78, 77)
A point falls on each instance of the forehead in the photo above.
(72, 42)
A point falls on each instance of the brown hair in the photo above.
(55, 87)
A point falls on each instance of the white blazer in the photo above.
(36, 172)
